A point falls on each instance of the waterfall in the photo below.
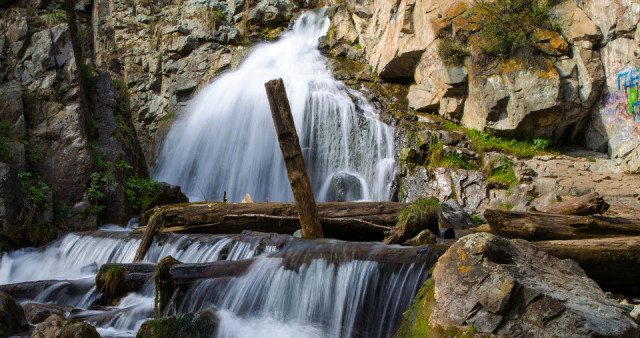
(226, 140)
(294, 288)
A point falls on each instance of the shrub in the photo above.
(141, 192)
(452, 51)
(509, 24)
(542, 143)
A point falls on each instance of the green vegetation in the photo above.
(111, 280)
(508, 25)
(141, 192)
(542, 143)
(452, 51)
(591, 159)
(184, 325)
(483, 141)
(96, 192)
(451, 126)
(439, 159)
(415, 321)
(36, 190)
(37, 198)
(423, 212)
(476, 219)
(6, 129)
(88, 76)
(506, 206)
(503, 173)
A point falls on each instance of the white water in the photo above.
(226, 140)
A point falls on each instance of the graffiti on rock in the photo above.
(620, 110)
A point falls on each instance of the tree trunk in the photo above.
(611, 262)
(292, 154)
(589, 204)
(537, 226)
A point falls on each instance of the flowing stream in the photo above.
(294, 288)
(227, 142)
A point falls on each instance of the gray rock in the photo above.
(453, 216)
(508, 287)
(12, 320)
(10, 203)
(203, 324)
(37, 313)
(345, 187)
(57, 327)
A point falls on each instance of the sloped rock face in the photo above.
(166, 50)
(12, 319)
(510, 288)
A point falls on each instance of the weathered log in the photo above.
(191, 214)
(155, 221)
(589, 204)
(537, 226)
(611, 262)
(293, 159)
(117, 279)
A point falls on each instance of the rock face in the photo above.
(58, 327)
(203, 324)
(510, 288)
(12, 320)
(453, 216)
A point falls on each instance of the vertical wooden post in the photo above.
(293, 160)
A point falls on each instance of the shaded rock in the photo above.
(37, 313)
(10, 204)
(424, 237)
(345, 187)
(453, 216)
(510, 288)
(12, 320)
(203, 324)
(168, 194)
(57, 327)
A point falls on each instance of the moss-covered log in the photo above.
(538, 226)
(589, 204)
(115, 280)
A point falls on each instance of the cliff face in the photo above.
(573, 97)
(141, 61)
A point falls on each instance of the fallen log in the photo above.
(589, 204)
(611, 262)
(537, 226)
(352, 221)
(115, 280)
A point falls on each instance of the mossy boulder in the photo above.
(58, 327)
(488, 285)
(201, 325)
(12, 319)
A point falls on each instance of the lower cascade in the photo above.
(226, 140)
(294, 288)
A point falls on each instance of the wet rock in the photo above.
(510, 288)
(344, 187)
(453, 216)
(168, 194)
(37, 313)
(424, 237)
(10, 204)
(56, 326)
(12, 320)
(203, 324)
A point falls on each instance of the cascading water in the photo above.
(226, 140)
(294, 288)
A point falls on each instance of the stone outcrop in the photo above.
(57, 327)
(203, 324)
(509, 288)
(12, 320)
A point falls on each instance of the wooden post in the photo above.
(293, 160)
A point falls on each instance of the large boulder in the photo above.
(12, 320)
(58, 327)
(491, 285)
(37, 313)
(453, 216)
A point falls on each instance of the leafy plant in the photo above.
(508, 25)
(452, 51)
(476, 219)
(36, 190)
(141, 192)
(542, 143)
(95, 192)
(483, 141)
(122, 164)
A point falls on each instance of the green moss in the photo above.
(165, 286)
(184, 325)
(506, 206)
(502, 174)
(439, 159)
(482, 141)
(111, 280)
(451, 126)
(477, 220)
(423, 212)
(415, 321)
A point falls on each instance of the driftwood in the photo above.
(611, 262)
(537, 226)
(589, 204)
(293, 160)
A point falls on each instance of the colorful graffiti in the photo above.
(620, 106)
